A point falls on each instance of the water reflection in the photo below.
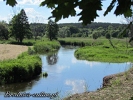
(90, 63)
(52, 58)
(78, 86)
(17, 87)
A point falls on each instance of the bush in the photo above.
(22, 69)
(43, 47)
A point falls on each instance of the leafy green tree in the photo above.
(95, 35)
(108, 36)
(4, 33)
(20, 27)
(38, 29)
(64, 32)
(52, 30)
(115, 33)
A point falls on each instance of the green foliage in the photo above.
(131, 98)
(95, 35)
(45, 74)
(38, 29)
(80, 41)
(18, 70)
(108, 36)
(46, 46)
(20, 27)
(4, 31)
(52, 30)
(11, 2)
(106, 53)
(31, 51)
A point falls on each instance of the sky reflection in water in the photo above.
(67, 75)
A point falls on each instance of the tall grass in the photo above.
(22, 69)
(46, 46)
(105, 54)
(89, 41)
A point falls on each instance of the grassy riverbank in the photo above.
(103, 54)
(102, 50)
(24, 68)
(27, 65)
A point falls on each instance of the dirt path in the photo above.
(8, 51)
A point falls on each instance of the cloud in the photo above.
(35, 16)
(29, 2)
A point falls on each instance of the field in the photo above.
(8, 51)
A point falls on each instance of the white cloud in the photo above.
(78, 86)
(29, 2)
(35, 16)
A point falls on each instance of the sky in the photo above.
(39, 14)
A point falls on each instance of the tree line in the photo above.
(19, 28)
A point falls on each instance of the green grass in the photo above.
(101, 50)
(99, 53)
(90, 42)
(46, 46)
(22, 69)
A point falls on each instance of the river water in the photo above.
(66, 75)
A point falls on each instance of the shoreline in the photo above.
(115, 87)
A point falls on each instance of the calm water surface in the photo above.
(66, 75)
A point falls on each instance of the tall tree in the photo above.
(20, 27)
(4, 31)
(52, 30)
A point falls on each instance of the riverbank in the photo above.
(115, 87)
(105, 54)
(22, 63)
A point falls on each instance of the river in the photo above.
(66, 76)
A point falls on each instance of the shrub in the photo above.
(22, 69)
(43, 47)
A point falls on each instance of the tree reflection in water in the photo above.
(52, 59)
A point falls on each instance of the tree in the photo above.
(38, 29)
(20, 27)
(95, 35)
(108, 36)
(52, 30)
(89, 8)
(3, 31)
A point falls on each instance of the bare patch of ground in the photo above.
(117, 87)
(8, 51)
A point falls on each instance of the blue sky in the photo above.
(41, 14)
